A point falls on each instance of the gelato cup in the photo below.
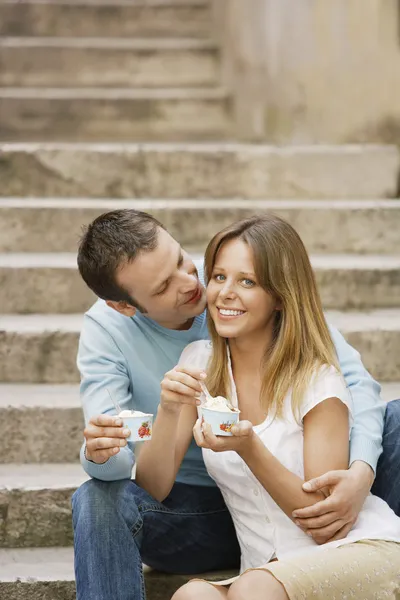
(140, 424)
(217, 413)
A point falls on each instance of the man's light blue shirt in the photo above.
(130, 355)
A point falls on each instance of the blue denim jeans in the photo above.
(117, 526)
(387, 482)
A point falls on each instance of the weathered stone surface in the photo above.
(113, 115)
(35, 504)
(36, 349)
(390, 391)
(345, 282)
(42, 348)
(198, 171)
(55, 225)
(40, 424)
(349, 282)
(42, 284)
(47, 574)
(120, 18)
(117, 62)
(376, 335)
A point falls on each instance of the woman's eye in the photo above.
(248, 282)
(219, 277)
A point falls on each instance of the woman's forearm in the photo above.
(156, 465)
(282, 485)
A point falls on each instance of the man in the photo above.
(153, 306)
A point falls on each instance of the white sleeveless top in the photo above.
(264, 531)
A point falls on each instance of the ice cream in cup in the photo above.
(217, 413)
(140, 424)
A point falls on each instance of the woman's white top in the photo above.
(264, 531)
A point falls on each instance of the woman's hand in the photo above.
(240, 440)
(181, 386)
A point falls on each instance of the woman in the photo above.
(272, 356)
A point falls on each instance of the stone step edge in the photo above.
(40, 476)
(115, 93)
(36, 565)
(92, 43)
(21, 396)
(63, 203)
(67, 260)
(100, 3)
(204, 148)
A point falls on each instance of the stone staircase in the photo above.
(96, 70)
(100, 72)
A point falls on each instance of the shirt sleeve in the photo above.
(102, 367)
(326, 383)
(368, 408)
(196, 354)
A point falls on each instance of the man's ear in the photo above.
(122, 307)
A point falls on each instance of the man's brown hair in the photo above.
(113, 239)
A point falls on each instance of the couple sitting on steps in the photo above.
(287, 497)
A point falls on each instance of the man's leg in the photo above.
(117, 526)
(194, 533)
(387, 482)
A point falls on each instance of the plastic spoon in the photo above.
(211, 398)
(117, 406)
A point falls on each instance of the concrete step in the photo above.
(44, 423)
(39, 348)
(35, 504)
(42, 348)
(198, 171)
(345, 282)
(116, 115)
(39, 273)
(40, 423)
(113, 62)
(48, 574)
(54, 225)
(105, 18)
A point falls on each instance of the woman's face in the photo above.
(238, 305)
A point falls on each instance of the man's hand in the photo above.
(332, 518)
(181, 386)
(104, 437)
(242, 436)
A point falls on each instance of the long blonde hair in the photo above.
(301, 340)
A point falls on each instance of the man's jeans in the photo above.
(387, 482)
(117, 526)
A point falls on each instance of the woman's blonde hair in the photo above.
(301, 340)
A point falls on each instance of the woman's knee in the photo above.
(257, 585)
(196, 590)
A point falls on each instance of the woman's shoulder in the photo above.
(326, 382)
(197, 353)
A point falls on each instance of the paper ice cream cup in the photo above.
(141, 427)
(221, 421)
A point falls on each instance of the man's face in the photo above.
(165, 283)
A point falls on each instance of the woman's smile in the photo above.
(228, 314)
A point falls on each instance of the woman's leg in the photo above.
(257, 585)
(200, 590)
(364, 570)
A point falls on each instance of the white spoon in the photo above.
(117, 406)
